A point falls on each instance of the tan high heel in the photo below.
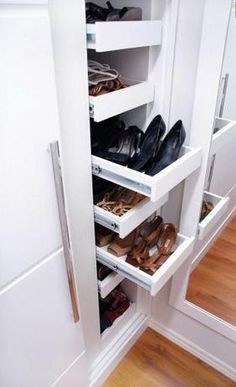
(120, 247)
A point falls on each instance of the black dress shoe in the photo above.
(105, 134)
(100, 188)
(169, 149)
(149, 144)
(124, 14)
(95, 13)
(127, 145)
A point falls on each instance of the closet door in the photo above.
(40, 345)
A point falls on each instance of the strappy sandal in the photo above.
(120, 247)
(103, 235)
(149, 233)
(110, 199)
(127, 201)
(165, 246)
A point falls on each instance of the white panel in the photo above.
(29, 228)
(74, 374)
(110, 36)
(39, 339)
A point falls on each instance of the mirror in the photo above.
(212, 284)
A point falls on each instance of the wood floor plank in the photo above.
(212, 284)
(156, 362)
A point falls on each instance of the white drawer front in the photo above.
(120, 101)
(110, 36)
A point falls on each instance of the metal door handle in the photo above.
(55, 154)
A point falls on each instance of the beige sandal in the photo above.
(120, 247)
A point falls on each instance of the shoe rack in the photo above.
(106, 45)
(145, 59)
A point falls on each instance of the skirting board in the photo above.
(118, 350)
(193, 349)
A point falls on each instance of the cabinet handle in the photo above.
(55, 154)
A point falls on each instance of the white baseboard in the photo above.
(195, 350)
(108, 360)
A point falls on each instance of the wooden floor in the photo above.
(156, 362)
(212, 284)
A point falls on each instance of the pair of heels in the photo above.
(145, 152)
(96, 13)
(116, 245)
(154, 153)
(120, 200)
(111, 140)
(112, 307)
(161, 235)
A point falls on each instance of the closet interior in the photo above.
(143, 61)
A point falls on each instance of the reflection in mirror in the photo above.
(212, 284)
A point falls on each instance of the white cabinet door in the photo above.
(29, 227)
(40, 345)
(39, 340)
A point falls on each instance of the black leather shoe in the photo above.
(127, 145)
(105, 134)
(124, 14)
(169, 149)
(100, 188)
(149, 144)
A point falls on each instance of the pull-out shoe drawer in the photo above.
(126, 223)
(156, 186)
(226, 132)
(221, 205)
(153, 283)
(109, 283)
